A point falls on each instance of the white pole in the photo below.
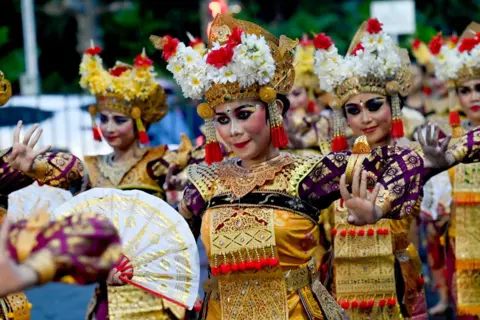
(29, 82)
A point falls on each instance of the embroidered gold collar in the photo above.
(240, 181)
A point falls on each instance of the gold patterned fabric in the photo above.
(466, 196)
(235, 232)
(15, 307)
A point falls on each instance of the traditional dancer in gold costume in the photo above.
(460, 67)
(258, 211)
(38, 251)
(376, 272)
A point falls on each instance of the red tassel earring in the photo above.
(213, 152)
(397, 132)
(142, 133)
(277, 131)
(339, 141)
(95, 130)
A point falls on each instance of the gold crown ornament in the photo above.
(5, 90)
(130, 90)
(373, 64)
(457, 63)
(242, 61)
(304, 62)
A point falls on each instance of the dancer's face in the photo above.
(117, 129)
(469, 98)
(369, 114)
(243, 126)
(298, 98)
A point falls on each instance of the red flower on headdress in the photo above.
(118, 70)
(416, 43)
(306, 41)
(220, 57)
(169, 47)
(142, 61)
(374, 26)
(467, 44)
(322, 41)
(195, 42)
(357, 48)
(454, 39)
(93, 50)
(235, 37)
(436, 44)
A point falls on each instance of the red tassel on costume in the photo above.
(225, 268)
(397, 129)
(213, 153)
(273, 262)
(215, 270)
(242, 266)
(311, 107)
(339, 143)
(234, 267)
(143, 136)
(96, 134)
(279, 137)
(454, 118)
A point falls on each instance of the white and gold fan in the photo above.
(22, 203)
(156, 240)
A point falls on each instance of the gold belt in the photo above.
(295, 279)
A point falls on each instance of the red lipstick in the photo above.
(370, 129)
(241, 145)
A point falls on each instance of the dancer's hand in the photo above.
(13, 277)
(360, 203)
(435, 155)
(22, 156)
(123, 269)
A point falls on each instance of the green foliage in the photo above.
(13, 62)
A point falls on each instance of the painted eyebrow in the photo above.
(239, 108)
(357, 104)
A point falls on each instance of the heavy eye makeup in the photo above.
(117, 119)
(372, 105)
(241, 113)
(468, 90)
(296, 92)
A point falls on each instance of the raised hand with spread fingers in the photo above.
(22, 157)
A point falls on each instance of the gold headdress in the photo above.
(457, 64)
(422, 54)
(130, 90)
(304, 62)
(373, 64)
(5, 89)
(243, 61)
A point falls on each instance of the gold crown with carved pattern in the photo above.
(242, 61)
(304, 62)
(5, 89)
(130, 90)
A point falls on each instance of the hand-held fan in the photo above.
(157, 241)
(23, 203)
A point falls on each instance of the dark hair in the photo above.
(285, 101)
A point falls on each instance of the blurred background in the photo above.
(41, 43)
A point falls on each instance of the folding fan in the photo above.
(22, 203)
(156, 240)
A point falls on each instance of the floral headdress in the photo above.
(422, 54)
(5, 89)
(304, 62)
(373, 64)
(243, 61)
(457, 63)
(130, 90)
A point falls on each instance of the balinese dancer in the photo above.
(306, 124)
(37, 251)
(258, 211)
(375, 271)
(128, 100)
(460, 68)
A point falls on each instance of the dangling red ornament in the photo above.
(339, 143)
(371, 303)
(242, 266)
(279, 137)
(352, 233)
(345, 304)
(215, 271)
(354, 304)
(382, 303)
(392, 302)
(363, 305)
(370, 232)
(343, 233)
(96, 134)
(264, 262)
(143, 137)
(213, 153)
(454, 118)
(334, 232)
(225, 268)
(273, 262)
(361, 233)
(397, 129)
(258, 265)
(234, 267)
(250, 265)
(311, 107)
